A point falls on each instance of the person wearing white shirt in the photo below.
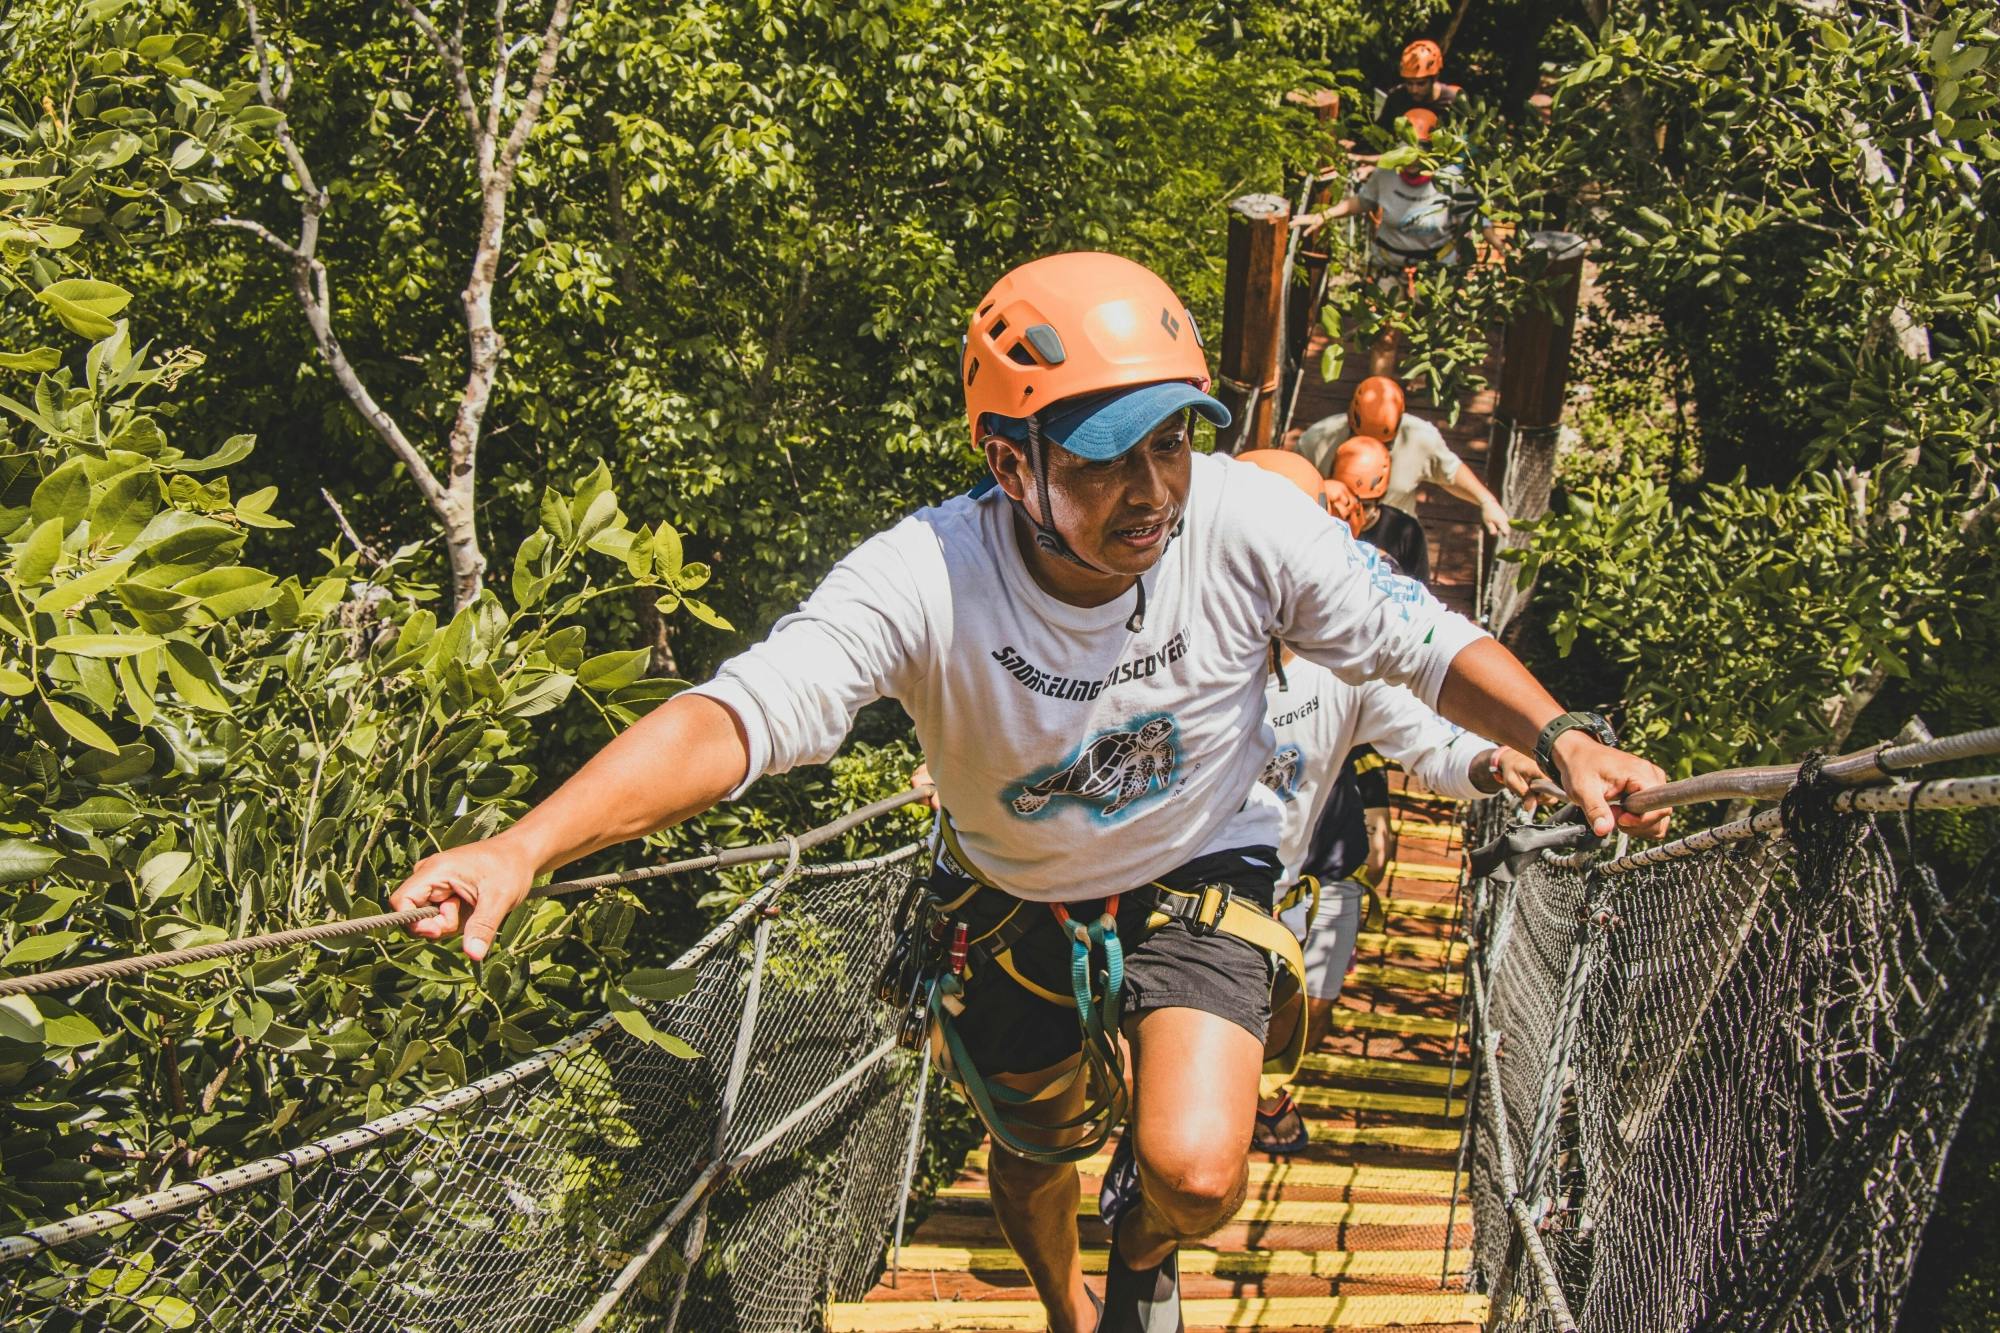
(1081, 649)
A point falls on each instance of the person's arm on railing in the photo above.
(1488, 690)
(674, 763)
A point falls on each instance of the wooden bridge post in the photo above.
(1252, 304)
(1534, 382)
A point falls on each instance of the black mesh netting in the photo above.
(516, 1210)
(1729, 1080)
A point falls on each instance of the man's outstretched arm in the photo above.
(676, 762)
(1487, 690)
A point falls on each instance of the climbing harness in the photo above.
(935, 953)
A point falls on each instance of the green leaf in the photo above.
(667, 551)
(105, 645)
(20, 1021)
(126, 504)
(85, 304)
(98, 814)
(64, 494)
(36, 556)
(658, 983)
(22, 184)
(639, 1026)
(78, 590)
(231, 591)
(608, 671)
(162, 876)
(166, 1311)
(540, 697)
(694, 575)
(194, 676)
(81, 727)
(15, 685)
(234, 450)
(705, 613)
(41, 948)
(21, 860)
(36, 359)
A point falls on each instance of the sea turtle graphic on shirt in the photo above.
(1281, 771)
(1114, 769)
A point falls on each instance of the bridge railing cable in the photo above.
(1719, 1076)
(602, 1182)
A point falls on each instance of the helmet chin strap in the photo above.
(1052, 542)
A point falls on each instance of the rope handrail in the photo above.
(1849, 770)
(85, 974)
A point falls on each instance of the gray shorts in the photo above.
(1329, 937)
(1013, 1028)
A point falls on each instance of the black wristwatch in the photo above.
(1545, 744)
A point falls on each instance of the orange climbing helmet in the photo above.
(1292, 467)
(1423, 120)
(1422, 59)
(1361, 464)
(1340, 502)
(1070, 325)
(1376, 408)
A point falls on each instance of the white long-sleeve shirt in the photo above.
(1077, 757)
(1318, 717)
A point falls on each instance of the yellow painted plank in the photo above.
(1419, 910)
(1388, 1071)
(1246, 1312)
(1430, 830)
(1316, 1098)
(1389, 1021)
(1265, 1173)
(1408, 978)
(1383, 1136)
(1421, 946)
(1430, 874)
(1425, 1262)
(1281, 1212)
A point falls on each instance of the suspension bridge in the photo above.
(1582, 1090)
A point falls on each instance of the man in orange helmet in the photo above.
(1420, 211)
(1418, 454)
(1081, 644)
(1362, 465)
(1421, 88)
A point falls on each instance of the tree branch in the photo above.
(452, 53)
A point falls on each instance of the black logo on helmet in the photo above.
(1169, 323)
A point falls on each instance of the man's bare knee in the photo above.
(1194, 1192)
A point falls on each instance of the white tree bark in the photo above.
(497, 146)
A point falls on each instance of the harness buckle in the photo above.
(1214, 901)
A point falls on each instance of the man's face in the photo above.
(1117, 514)
(1420, 90)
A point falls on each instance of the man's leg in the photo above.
(1194, 1082)
(1319, 1022)
(1035, 1203)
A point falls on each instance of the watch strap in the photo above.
(1545, 744)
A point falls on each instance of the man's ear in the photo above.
(1008, 461)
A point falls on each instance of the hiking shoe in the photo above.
(1121, 1184)
(1144, 1300)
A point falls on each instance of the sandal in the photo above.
(1271, 1124)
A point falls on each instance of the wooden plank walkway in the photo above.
(1350, 1234)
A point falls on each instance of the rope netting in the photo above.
(603, 1182)
(1718, 1084)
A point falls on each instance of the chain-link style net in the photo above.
(517, 1203)
(1726, 1082)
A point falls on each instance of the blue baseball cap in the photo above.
(1101, 426)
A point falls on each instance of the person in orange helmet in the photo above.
(1421, 88)
(1080, 643)
(1418, 454)
(1362, 465)
(1334, 786)
(1420, 211)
